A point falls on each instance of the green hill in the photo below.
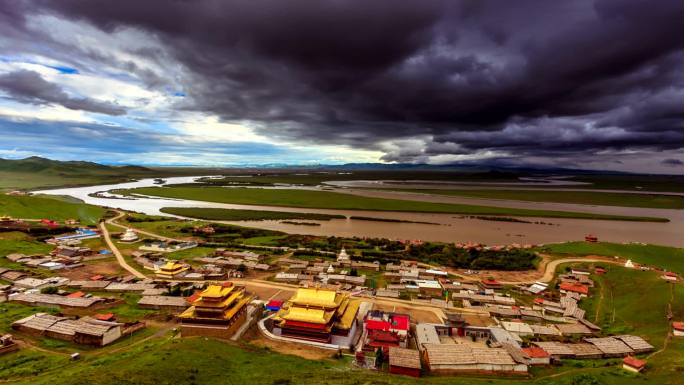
(36, 172)
(38, 207)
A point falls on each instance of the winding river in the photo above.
(447, 227)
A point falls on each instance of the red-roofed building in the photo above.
(569, 287)
(77, 294)
(537, 356)
(678, 329)
(539, 301)
(385, 330)
(600, 271)
(105, 317)
(274, 305)
(490, 284)
(670, 276)
(633, 364)
(49, 223)
(97, 277)
(372, 324)
(194, 297)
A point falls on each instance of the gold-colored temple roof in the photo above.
(225, 302)
(172, 266)
(216, 291)
(316, 297)
(301, 314)
(347, 319)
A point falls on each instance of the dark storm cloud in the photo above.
(529, 78)
(30, 87)
(672, 162)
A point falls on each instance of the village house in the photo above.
(167, 247)
(65, 302)
(455, 358)
(404, 361)
(7, 344)
(491, 284)
(567, 287)
(163, 302)
(78, 235)
(84, 331)
(633, 364)
(678, 329)
(536, 356)
(611, 347)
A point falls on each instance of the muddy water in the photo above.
(449, 228)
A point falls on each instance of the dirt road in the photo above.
(115, 250)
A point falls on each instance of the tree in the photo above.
(353, 272)
(379, 357)
(242, 268)
(49, 290)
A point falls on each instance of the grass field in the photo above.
(38, 207)
(16, 242)
(332, 200)
(670, 258)
(242, 215)
(627, 301)
(575, 197)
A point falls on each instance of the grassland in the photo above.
(16, 242)
(242, 215)
(38, 207)
(627, 301)
(657, 201)
(670, 258)
(333, 200)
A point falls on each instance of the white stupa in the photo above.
(343, 257)
(331, 269)
(629, 264)
(129, 236)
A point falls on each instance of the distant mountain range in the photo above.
(37, 164)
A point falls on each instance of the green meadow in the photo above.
(657, 201)
(669, 258)
(38, 207)
(334, 200)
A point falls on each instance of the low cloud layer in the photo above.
(30, 87)
(592, 83)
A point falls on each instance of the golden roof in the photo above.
(301, 314)
(216, 291)
(347, 319)
(316, 297)
(189, 313)
(225, 297)
(172, 266)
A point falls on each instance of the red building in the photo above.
(385, 330)
(574, 288)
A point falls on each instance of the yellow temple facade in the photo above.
(172, 270)
(318, 315)
(217, 312)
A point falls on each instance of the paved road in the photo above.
(115, 250)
